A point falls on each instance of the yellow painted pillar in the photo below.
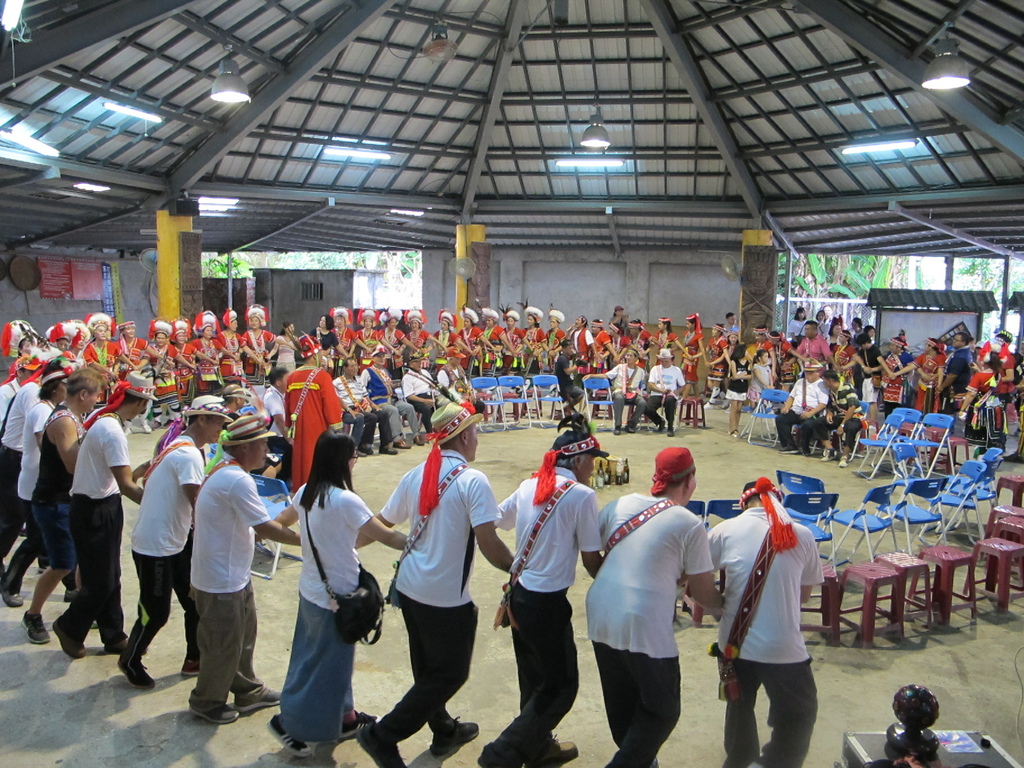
(465, 236)
(757, 237)
(760, 265)
(168, 262)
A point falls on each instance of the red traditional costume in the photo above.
(931, 368)
(260, 342)
(468, 337)
(208, 378)
(133, 349)
(311, 406)
(231, 343)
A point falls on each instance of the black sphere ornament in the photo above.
(916, 709)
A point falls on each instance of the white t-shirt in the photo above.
(34, 423)
(669, 379)
(807, 396)
(273, 401)
(632, 602)
(795, 328)
(7, 393)
(105, 446)
(774, 635)
(27, 396)
(436, 571)
(227, 509)
(570, 528)
(165, 515)
(334, 529)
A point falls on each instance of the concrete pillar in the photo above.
(465, 236)
(168, 264)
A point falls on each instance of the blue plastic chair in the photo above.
(913, 513)
(594, 402)
(992, 458)
(274, 494)
(699, 508)
(726, 509)
(512, 391)
(811, 507)
(544, 389)
(488, 393)
(871, 517)
(939, 421)
(961, 495)
(764, 416)
(887, 435)
(905, 462)
(791, 482)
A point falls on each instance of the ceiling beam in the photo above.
(72, 228)
(238, 45)
(613, 232)
(278, 230)
(664, 23)
(31, 178)
(52, 46)
(856, 30)
(87, 171)
(851, 203)
(959, 234)
(337, 34)
(499, 81)
(268, 192)
(954, 13)
(628, 206)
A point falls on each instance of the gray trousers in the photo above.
(227, 639)
(619, 402)
(398, 410)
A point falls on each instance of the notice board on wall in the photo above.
(70, 279)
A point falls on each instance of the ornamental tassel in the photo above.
(545, 479)
(429, 496)
(780, 526)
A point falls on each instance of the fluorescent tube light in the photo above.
(87, 187)
(132, 112)
(358, 154)
(589, 162)
(404, 212)
(19, 136)
(883, 146)
(219, 201)
(12, 14)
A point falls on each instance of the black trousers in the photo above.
(440, 651)
(792, 711)
(548, 674)
(160, 578)
(655, 403)
(96, 527)
(425, 410)
(641, 700)
(12, 513)
(784, 424)
(27, 552)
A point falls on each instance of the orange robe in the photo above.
(321, 409)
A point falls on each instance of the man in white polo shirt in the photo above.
(162, 540)
(418, 389)
(555, 517)
(102, 475)
(452, 509)
(665, 386)
(806, 400)
(652, 544)
(772, 652)
(229, 514)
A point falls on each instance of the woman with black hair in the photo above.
(740, 365)
(982, 410)
(316, 702)
(795, 329)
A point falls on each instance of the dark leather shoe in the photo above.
(384, 754)
(558, 752)
(618, 431)
(418, 440)
(401, 445)
(69, 645)
(461, 733)
(116, 647)
(631, 429)
(388, 450)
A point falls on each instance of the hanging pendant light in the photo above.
(947, 70)
(596, 135)
(229, 87)
(440, 49)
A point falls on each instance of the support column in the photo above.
(168, 262)
(950, 271)
(465, 236)
(1006, 293)
(760, 271)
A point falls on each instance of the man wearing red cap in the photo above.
(768, 648)
(652, 544)
(555, 517)
(451, 510)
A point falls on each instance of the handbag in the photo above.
(359, 614)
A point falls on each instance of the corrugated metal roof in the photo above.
(945, 301)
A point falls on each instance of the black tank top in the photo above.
(739, 386)
(54, 484)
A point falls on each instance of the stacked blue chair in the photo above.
(764, 416)
(871, 517)
(960, 497)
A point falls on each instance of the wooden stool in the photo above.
(1014, 484)
(691, 411)
(947, 560)
(1010, 528)
(999, 513)
(912, 571)
(1001, 555)
(827, 608)
(873, 576)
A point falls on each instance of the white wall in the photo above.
(649, 284)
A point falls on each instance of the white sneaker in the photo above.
(844, 463)
(146, 429)
(826, 456)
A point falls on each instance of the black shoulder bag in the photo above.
(359, 615)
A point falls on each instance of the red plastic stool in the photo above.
(696, 609)
(1014, 484)
(1000, 557)
(827, 608)
(1010, 528)
(872, 577)
(999, 513)
(691, 411)
(912, 571)
(946, 561)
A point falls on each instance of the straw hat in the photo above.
(247, 429)
(211, 406)
(140, 386)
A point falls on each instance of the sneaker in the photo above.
(617, 430)
(70, 646)
(292, 746)
(365, 450)
(631, 429)
(349, 730)
(136, 673)
(35, 629)
(384, 755)
(671, 432)
(12, 599)
(462, 733)
(190, 668)
(222, 714)
(388, 450)
(558, 752)
(827, 456)
(844, 462)
(268, 698)
(70, 595)
(660, 427)
(792, 449)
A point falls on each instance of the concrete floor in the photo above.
(82, 714)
